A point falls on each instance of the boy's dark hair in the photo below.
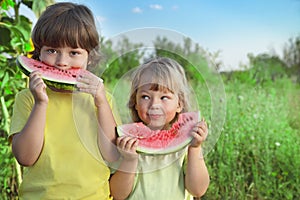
(67, 24)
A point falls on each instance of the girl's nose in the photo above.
(155, 103)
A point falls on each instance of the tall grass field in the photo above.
(257, 155)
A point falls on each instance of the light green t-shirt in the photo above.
(160, 177)
(70, 165)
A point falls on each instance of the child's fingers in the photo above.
(89, 84)
(200, 130)
(126, 143)
(127, 147)
(89, 79)
(36, 80)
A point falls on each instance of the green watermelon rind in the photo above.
(58, 84)
(165, 151)
(155, 151)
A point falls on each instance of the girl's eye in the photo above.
(165, 98)
(145, 97)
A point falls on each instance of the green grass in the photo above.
(257, 155)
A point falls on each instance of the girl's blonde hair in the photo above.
(165, 75)
(67, 24)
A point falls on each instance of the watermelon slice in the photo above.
(162, 141)
(60, 79)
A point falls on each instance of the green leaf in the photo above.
(6, 4)
(39, 6)
(8, 91)
(5, 36)
(28, 47)
(24, 26)
(4, 80)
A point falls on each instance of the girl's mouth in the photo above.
(155, 116)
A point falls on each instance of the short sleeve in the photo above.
(184, 165)
(21, 110)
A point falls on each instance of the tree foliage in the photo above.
(14, 40)
(118, 59)
(291, 56)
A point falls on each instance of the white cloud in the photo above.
(100, 19)
(137, 10)
(156, 7)
(175, 7)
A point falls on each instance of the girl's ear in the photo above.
(179, 107)
(135, 106)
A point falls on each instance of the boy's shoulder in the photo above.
(24, 92)
(25, 95)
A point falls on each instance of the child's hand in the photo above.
(199, 133)
(38, 87)
(127, 147)
(92, 84)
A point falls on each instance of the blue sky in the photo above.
(235, 27)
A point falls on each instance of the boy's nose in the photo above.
(62, 60)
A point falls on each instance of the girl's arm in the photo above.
(122, 181)
(197, 177)
(90, 83)
(28, 143)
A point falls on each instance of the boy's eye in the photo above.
(51, 51)
(74, 53)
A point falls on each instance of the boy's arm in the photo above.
(28, 143)
(106, 133)
(90, 83)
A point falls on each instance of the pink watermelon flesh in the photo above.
(54, 77)
(162, 141)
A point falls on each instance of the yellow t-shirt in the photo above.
(70, 165)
